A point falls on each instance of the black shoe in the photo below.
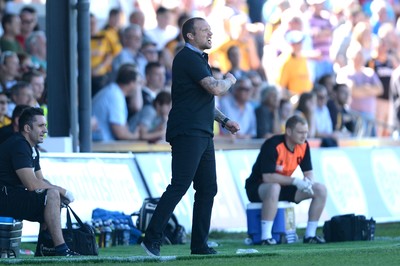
(314, 240)
(68, 253)
(206, 251)
(151, 248)
(268, 242)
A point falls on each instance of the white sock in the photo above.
(266, 229)
(311, 228)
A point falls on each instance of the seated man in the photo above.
(25, 194)
(271, 181)
(110, 108)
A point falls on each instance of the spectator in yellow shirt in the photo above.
(294, 74)
(102, 54)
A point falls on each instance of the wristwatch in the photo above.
(226, 119)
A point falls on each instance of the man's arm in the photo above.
(230, 125)
(34, 180)
(309, 175)
(277, 178)
(304, 185)
(121, 132)
(218, 86)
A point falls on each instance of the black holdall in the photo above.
(349, 227)
(174, 232)
(80, 239)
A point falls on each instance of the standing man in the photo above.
(190, 133)
(25, 194)
(271, 181)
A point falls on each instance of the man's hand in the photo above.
(308, 189)
(230, 77)
(69, 196)
(303, 185)
(232, 126)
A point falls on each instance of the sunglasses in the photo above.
(6, 54)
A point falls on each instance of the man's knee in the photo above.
(320, 190)
(53, 195)
(269, 191)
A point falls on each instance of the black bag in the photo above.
(81, 239)
(174, 233)
(349, 227)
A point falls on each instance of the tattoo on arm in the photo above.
(218, 115)
(215, 86)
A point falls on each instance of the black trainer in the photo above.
(68, 253)
(314, 240)
(206, 251)
(151, 248)
(268, 242)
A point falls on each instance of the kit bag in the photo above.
(174, 232)
(79, 238)
(349, 227)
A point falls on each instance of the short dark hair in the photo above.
(294, 120)
(162, 10)
(126, 74)
(28, 9)
(188, 27)
(337, 86)
(163, 97)
(7, 19)
(114, 12)
(28, 76)
(150, 66)
(318, 87)
(18, 111)
(28, 117)
(17, 87)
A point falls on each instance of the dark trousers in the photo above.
(193, 160)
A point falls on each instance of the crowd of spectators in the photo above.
(22, 63)
(335, 63)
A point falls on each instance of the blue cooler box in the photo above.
(10, 237)
(284, 228)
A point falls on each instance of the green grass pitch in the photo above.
(383, 251)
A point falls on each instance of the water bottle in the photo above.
(113, 232)
(121, 230)
(117, 232)
(126, 234)
(96, 229)
(107, 235)
(101, 233)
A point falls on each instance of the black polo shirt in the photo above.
(192, 110)
(16, 153)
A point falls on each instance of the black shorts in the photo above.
(22, 204)
(287, 193)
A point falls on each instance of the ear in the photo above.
(27, 128)
(190, 36)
